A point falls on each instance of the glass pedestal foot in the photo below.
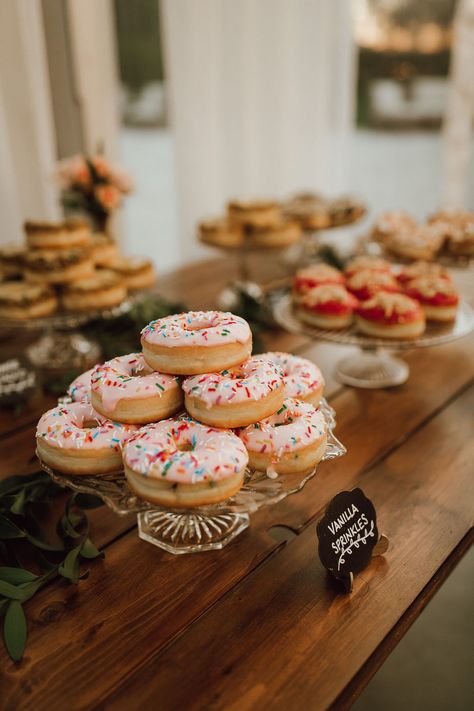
(372, 369)
(57, 350)
(187, 532)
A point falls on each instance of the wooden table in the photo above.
(258, 625)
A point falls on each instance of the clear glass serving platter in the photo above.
(373, 367)
(207, 527)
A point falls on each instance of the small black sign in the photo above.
(347, 535)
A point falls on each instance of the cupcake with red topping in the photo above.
(315, 275)
(367, 262)
(390, 315)
(366, 283)
(437, 296)
(328, 306)
(422, 269)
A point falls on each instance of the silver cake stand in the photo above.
(60, 344)
(374, 366)
(206, 527)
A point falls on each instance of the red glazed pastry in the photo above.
(389, 315)
(328, 306)
(367, 262)
(422, 269)
(367, 283)
(437, 296)
(315, 275)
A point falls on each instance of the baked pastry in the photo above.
(460, 242)
(314, 275)
(101, 290)
(180, 463)
(135, 272)
(104, 249)
(365, 283)
(282, 234)
(20, 300)
(302, 378)
(367, 262)
(254, 213)
(390, 315)
(327, 306)
(390, 223)
(422, 269)
(291, 441)
(437, 295)
(58, 266)
(196, 342)
(11, 260)
(221, 232)
(424, 242)
(126, 389)
(237, 396)
(345, 210)
(57, 235)
(309, 209)
(77, 440)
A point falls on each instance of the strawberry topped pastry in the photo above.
(437, 295)
(315, 275)
(390, 315)
(328, 306)
(366, 283)
(422, 269)
(367, 262)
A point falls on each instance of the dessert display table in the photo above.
(259, 624)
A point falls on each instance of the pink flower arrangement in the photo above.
(93, 185)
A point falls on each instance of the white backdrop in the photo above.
(261, 99)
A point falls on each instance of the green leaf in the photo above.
(19, 502)
(8, 529)
(89, 550)
(15, 631)
(15, 576)
(44, 545)
(69, 568)
(66, 526)
(11, 591)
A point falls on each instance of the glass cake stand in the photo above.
(373, 366)
(206, 527)
(60, 344)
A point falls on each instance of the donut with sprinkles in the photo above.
(302, 378)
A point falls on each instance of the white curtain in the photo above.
(261, 98)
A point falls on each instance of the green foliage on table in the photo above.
(28, 557)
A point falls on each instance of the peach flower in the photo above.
(108, 196)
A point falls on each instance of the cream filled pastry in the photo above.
(302, 379)
(75, 439)
(57, 235)
(390, 315)
(58, 266)
(365, 283)
(220, 232)
(182, 463)
(126, 389)
(327, 306)
(422, 269)
(367, 262)
(438, 297)
(135, 272)
(293, 440)
(21, 300)
(196, 342)
(254, 213)
(101, 290)
(315, 275)
(236, 396)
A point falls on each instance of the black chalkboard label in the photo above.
(347, 534)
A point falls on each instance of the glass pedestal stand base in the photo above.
(58, 350)
(189, 532)
(372, 369)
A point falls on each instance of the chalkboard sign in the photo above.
(348, 535)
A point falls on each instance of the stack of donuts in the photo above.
(186, 416)
(378, 300)
(65, 265)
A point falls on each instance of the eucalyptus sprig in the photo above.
(25, 502)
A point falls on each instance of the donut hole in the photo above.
(201, 326)
(184, 446)
(89, 424)
(285, 417)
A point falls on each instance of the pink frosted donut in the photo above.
(291, 441)
(196, 342)
(75, 439)
(303, 380)
(126, 389)
(80, 388)
(182, 463)
(235, 397)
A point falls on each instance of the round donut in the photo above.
(77, 440)
(80, 388)
(291, 441)
(235, 397)
(183, 464)
(126, 389)
(302, 379)
(196, 342)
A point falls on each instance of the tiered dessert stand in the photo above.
(206, 527)
(374, 366)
